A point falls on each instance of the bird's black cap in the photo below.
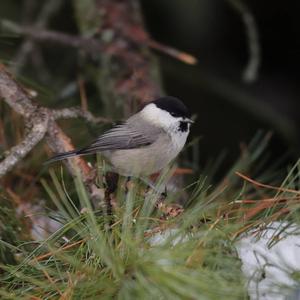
(172, 105)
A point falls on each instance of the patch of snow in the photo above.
(42, 225)
(163, 237)
(269, 261)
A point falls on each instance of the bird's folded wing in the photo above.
(122, 137)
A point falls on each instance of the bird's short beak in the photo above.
(189, 121)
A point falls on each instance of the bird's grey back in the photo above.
(130, 135)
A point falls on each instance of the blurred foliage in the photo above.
(14, 229)
(136, 253)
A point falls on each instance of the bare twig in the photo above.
(66, 247)
(90, 45)
(83, 95)
(15, 96)
(28, 46)
(177, 54)
(75, 112)
(279, 189)
(59, 142)
(21, 150)
(251, 70)
(87, 44)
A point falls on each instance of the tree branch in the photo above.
(41, 120)
(77, 112)
(59, 142)
(21, 150)
(15, 96)
(254, 60)
(90, 45)
(28, 46)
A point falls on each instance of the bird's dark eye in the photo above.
(173, 114)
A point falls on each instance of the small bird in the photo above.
(146, 142)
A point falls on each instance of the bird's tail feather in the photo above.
(61, 156)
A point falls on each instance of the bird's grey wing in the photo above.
(123, 136)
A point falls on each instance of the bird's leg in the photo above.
(128, 179)
(165, 193)
(149, 184)
(111, 186)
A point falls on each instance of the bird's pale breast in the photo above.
(146, 160)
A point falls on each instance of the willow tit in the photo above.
(146, 142)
